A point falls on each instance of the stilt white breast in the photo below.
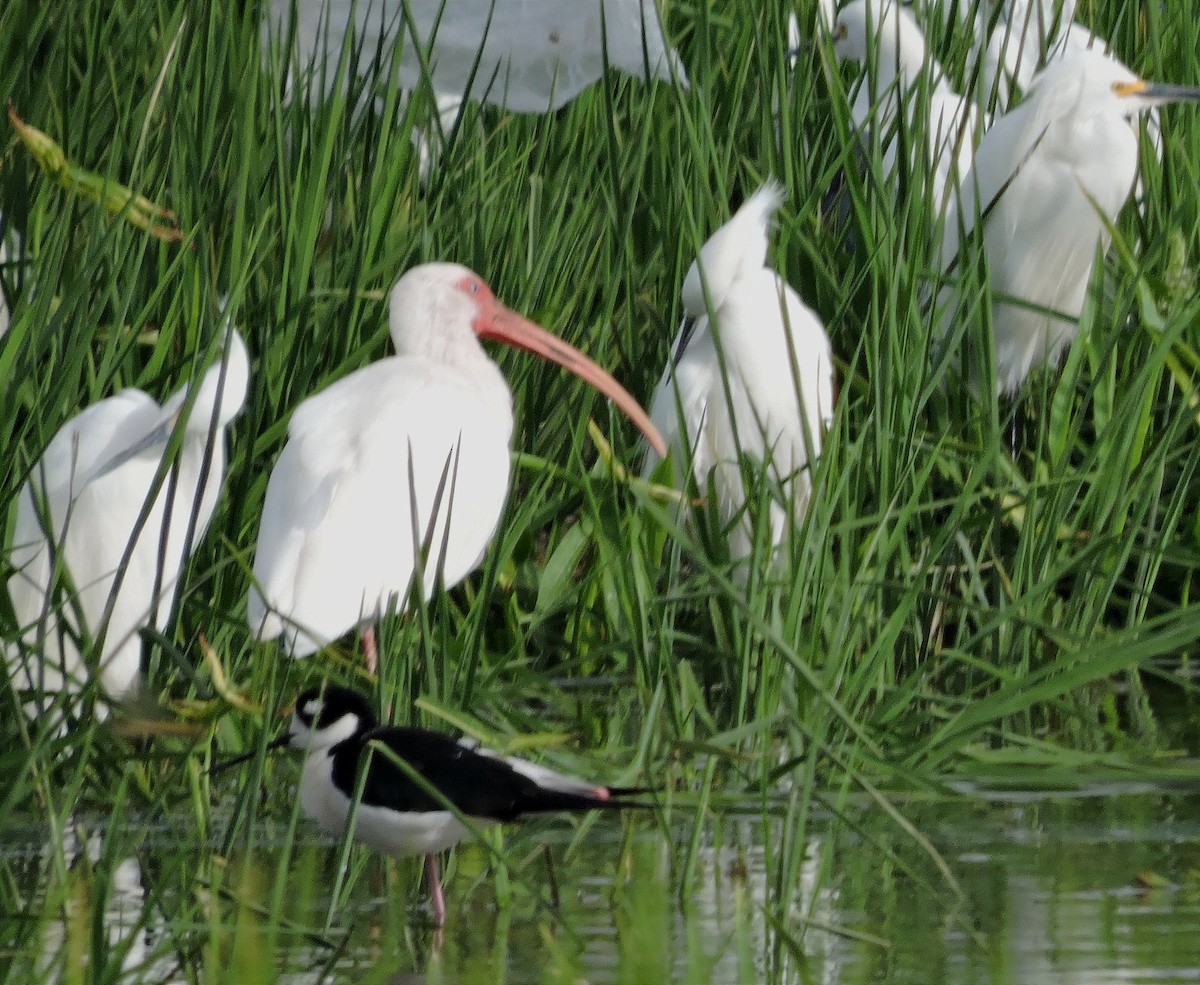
(400, 815)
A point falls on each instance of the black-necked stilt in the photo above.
(399, 815)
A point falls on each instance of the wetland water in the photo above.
(1086, 890)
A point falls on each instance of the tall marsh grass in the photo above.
(975, 581)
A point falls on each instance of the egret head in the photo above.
(1140, 95)
(880, 33)
(1105, 84)
(232, 375)
(226, 381)
(737, 248)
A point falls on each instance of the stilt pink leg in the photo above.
(435, 889)
(370, 654)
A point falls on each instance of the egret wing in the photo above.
(72, 510)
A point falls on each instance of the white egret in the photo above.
(904, 85)
(751, 373)
(1047, 177)
(1016, 39)
(87, 577)
(409, 455)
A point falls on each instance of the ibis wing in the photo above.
(527, 57)
(375, 468)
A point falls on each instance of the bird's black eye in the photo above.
(474, 287)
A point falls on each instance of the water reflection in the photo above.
(1057, 892)
(1053, 894)
(126, 946)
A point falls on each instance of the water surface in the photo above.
(1051, 890)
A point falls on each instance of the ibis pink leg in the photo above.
(435, 889)
(370, 654)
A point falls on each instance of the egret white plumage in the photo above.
(1048, 176)
(405, 456)
(751, 373)
(5, 313)
(525, 57)
(904, 85)
(1026, 36)
(87, 577)
(1016, 39)
(397, 814)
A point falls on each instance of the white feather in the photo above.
(1047, 171)
(81, 505)
(904, 86)
(529, 56)
(770, 412)
(337, 545)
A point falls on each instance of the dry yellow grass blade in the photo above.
(117, 199)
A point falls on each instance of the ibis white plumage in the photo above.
(400, 470)
(527, 57)
(751, 373)
(87, 576)
(1048, 176)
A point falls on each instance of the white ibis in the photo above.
(904, 86)
(89, 569)
(522, 56)
(399, 471)
(751, 373)
(1048, 176)
(526, 57)
(397, 813)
